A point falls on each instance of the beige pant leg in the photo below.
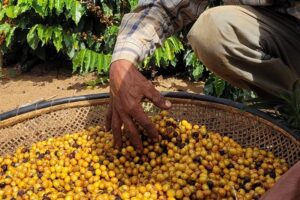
(250, 47)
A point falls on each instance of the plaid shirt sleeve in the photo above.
(143, 30)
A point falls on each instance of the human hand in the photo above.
(287, 187)
(128, 87)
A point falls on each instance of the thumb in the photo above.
(157, 99)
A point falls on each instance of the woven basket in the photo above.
(51, 119)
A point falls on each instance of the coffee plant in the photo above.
(79, 31)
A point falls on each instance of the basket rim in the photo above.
(180, 95)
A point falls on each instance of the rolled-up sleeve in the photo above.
(143, 30)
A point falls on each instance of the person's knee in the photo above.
(214, 19)
(214, 39)
(212, 33)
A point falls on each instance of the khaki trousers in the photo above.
(253, 48)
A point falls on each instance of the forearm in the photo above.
(287, 187)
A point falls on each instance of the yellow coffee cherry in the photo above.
(189, 162)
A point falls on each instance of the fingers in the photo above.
(115, 117)
(133, 133)
(153, 95)
(116, 128)
(114, 123)
(141, 117)
(108, 117)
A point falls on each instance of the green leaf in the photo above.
(146, 62)
(77, 11)
(2, 13)
(71, 53)
(69, 45)
(59, 6)
(177, 45)
(87, 60)
(82, 64)
(197, 72)
(75, 61)
(219, 86)
(209, 86)
(90, 41)
(45, 33)
(9, 36)
(195, 65)
(166, 54)
(5, 28)
(107, 10)
(133, 4)
(107, 60)
(48, 34)
(8, 31)
(68, 4)
(57, 38)
(92, 62)
(110, 36)
(157, 56)
(40, 7)
(25, 2)
(44, 6)
(32, 37)
(14, 11)
(103, 63)
(100, 62)
(110, 31)
(41, 32)
(75, 41)
(51, 5)
(170, 54)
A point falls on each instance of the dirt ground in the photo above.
(20, 89)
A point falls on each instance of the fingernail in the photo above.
(168, 103)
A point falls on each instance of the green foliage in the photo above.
(71, 8)
(196, 68)
(216, 86)
(285, 106)
(110, 36)
(166, 54)
(68, 26)
(41, 35)
(133, 4)
(7, 30)
(89, 61)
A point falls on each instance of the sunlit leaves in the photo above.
(88, 61)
